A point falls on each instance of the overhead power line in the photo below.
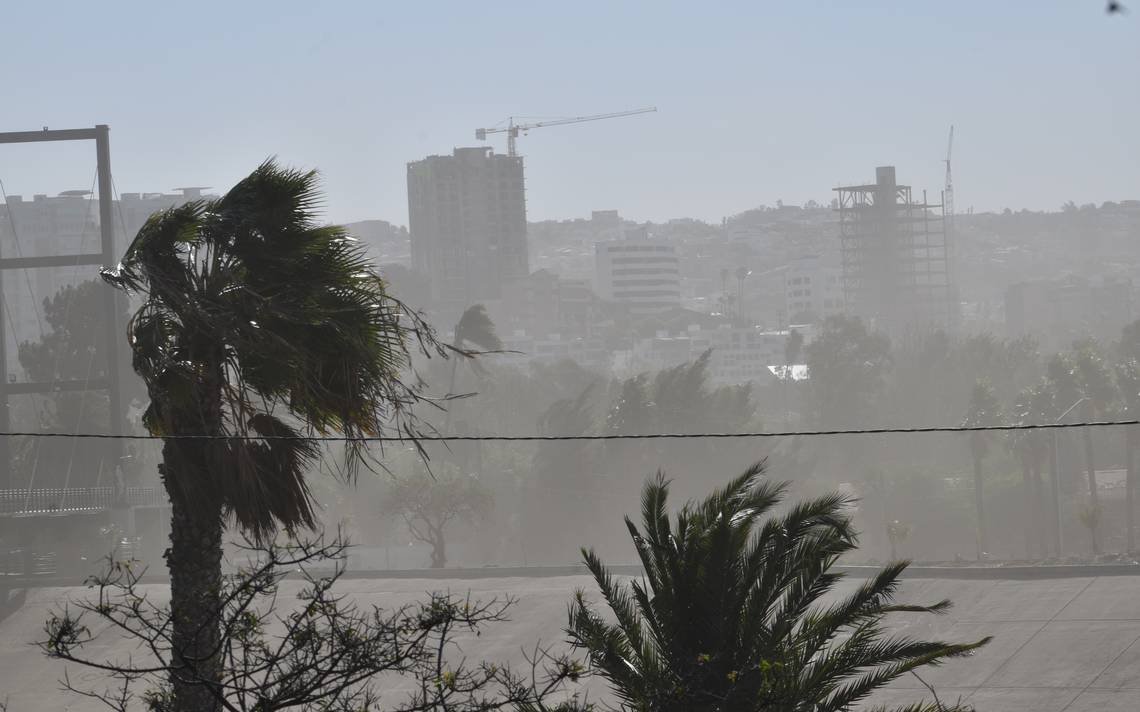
(549, 438)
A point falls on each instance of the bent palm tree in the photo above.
(1034, 406)
(1128, 383)
(257, 327)
(474, 328)
(729, 614)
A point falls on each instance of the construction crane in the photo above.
(948, 191)
(512, 130)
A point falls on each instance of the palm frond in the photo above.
(730, 614)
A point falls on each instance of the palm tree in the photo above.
(1095, 383)
(257, 327)
(793, 348)
(1034, 406)
(984, 410)
(474, 328)
(1128, 385)
(730, 616)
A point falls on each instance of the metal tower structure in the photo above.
(948, 190)
(111, 300)
(895, 256)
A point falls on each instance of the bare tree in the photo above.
(429, 502)
(326, 653)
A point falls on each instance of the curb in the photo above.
(976, 573)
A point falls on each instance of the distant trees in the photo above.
(428, 502)
(1128, 385)
(731, 613)
(847, 369)
(73, 348)
(1033, 406)
(984, 410)
(1094, 382)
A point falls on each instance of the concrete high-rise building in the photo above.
(467, 218)
(897, 257)
(643, 273)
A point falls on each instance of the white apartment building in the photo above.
(813, 290)
(643, 273)
(739, 354)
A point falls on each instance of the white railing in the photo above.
(43, 501)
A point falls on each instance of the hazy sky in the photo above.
(757, 101)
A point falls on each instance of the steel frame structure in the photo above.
(100, 134)
(896, 256)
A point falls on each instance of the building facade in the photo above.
(642, 273)
(467, 219)
(739, 355)
(813, 289)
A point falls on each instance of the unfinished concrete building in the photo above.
(897, 257)
(467, 215)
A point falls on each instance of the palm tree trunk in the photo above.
(1029, 492)
(1094, 498)
(1129, 489)
(1055, 496)
(979, 504)
(1041, 526)
(195, 563)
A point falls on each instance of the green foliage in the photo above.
(847, 367)
(75, 347)
(984, 410)
(730, 613)
(1094, 378)
(1129, 347)
(678, 399)
(1033, 406)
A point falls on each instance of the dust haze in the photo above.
(968, 378)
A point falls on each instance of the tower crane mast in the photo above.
(948, 191)
(512, 130)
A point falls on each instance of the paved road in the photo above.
(1061, 645)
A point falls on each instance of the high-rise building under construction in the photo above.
(897, 257)
(467, 217)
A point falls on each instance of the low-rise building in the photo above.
(739, 355)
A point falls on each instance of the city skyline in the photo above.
(755, 104)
